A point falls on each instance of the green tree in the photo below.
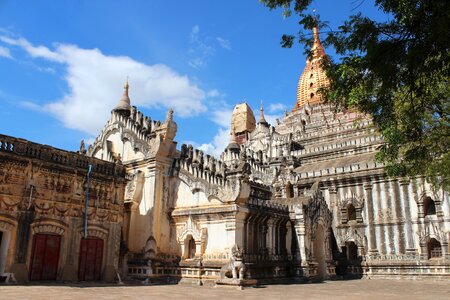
(397, 71)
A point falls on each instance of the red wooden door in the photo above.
(90, 262)
(45, 257)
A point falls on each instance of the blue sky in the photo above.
(63, 64)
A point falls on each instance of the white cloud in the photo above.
(195, 30)
(200, 49)
(218, 144)
(224, 43)
(276, 107)
(95, 83)
(39, 51)
(272, 119)
(214, 93)
(221, 139)
(197, 63)
(222, 117)
(31, 105)
(4, 52)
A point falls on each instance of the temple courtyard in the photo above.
(352, 289)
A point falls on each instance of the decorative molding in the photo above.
(48, 226)
(94, 231)
(7, 223)
(190, 228)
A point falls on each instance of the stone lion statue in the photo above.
(235, 266)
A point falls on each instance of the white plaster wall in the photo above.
(127, 151)
(99, 154)
(124, 148)
(218, 238)
(117, 143)
(148, 193)
(186, 198)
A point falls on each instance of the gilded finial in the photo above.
(126, 87)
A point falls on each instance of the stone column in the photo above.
(423, 250)
(399, 217)
(300, 232)
(239, 233)
(388, 228)
(369, 201)
(409, 235)
(198, 249)
(444, 246)
(332, 190)
(289, 238)
(295, 190)
(263, 240)
(270, 236)
(19, 267)
(133, 229)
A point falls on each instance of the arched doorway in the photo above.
(45, 256)
(319, 251)
(90, 260)
(434, 249)
(352, 251)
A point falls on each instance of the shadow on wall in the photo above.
(348, 262)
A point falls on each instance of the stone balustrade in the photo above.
(27, 149)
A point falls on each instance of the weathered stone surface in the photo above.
(43, 192)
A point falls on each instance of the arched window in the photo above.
(429, 207)
(434, 249)
(312, 95)
(351, 212)
(311, 76)
(311, 85)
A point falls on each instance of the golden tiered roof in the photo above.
(313, 76)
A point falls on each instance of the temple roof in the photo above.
(336, 162)
(313, 76)
(124, 104)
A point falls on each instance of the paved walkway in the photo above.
(354, 289)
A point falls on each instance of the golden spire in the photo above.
(317, 48)
(313, 76)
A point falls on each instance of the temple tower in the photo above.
(313, 76)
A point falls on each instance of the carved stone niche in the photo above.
(351, 209)
(429, 205)
(192, 240)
